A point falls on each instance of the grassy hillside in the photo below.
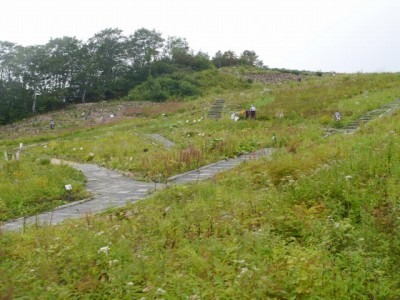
(317, 221)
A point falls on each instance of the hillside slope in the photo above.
(318, 220)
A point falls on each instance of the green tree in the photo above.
(107, 50)
(62, 64)
(34, 72)
(250, 58)
(144, 48)
(226, 59)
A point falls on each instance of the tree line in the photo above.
(107, 66)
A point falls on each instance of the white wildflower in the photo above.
(112, 262)
(242, 261)
(242, 272)
(104, 249)
(348, 177)
(129, 283)
(99, 233)
(146, 289)
(160, 291)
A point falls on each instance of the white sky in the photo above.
(325, 35)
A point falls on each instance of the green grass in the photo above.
(32, 185)
(319, 220)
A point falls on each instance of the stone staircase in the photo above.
(386, 109)
(216, 109)
(381, 111)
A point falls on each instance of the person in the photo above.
(252, 112)
(52, 124)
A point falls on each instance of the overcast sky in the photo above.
(317, 35)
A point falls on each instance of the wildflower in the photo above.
(146, 289)
(129, 283)
(112, 262)
(160, 291)
(187, 121)
(104, 249)
(242, 272)
(348, 177)
(99, 233)
(242, 261)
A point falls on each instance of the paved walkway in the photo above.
(165, 142)
(111, 189)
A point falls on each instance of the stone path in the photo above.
(166, 143)
(384, 110)
(215, 111)
(111, 189)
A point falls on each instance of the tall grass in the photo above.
(328, 230)
(317, 221)
(31, 185)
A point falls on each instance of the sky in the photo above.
(317, 35)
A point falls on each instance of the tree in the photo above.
(174, 47)
(107, 50)
(250, 58)
(62, 64)
(33, 72)
(144, 47)
(226, 59)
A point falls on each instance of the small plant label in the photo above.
(68, 187)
